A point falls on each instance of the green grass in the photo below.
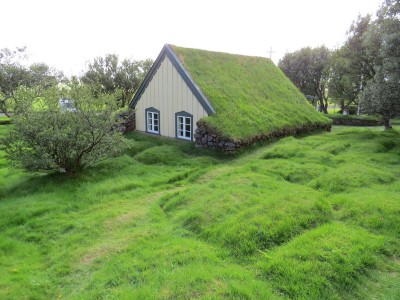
(324, 263)
(5, 120)
(251, 95)
(316, 217)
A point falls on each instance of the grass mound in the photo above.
(251, 95)
(5, 121)
(328, 259)
(349, 176)
(260, 227)
(251, 215)
(378, 212)
(164, 154)
(248, 226)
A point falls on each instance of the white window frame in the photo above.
(152, 115)
(184, 126)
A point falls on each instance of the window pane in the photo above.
(155, 128)
(149, 121)
(155, 116)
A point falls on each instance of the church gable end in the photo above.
(169, 90)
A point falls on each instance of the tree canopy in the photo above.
(110, 74)
(307, 69)
(13, 74)
(382, 93)
(364, 72)
(352, 65)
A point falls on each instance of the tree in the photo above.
(14, 74)
(40, 74)
(353, 65)
(110, 74)
(307, 69)
(46, 138)
(382, 96)
(342, 84)
(382, 92)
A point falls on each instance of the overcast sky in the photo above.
(67, 33)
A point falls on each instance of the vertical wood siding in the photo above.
(168, 93)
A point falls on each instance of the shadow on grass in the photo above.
(32, 184)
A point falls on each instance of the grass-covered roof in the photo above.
(250, 95)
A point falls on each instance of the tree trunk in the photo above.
(326, 106)
(387, 123)
(323, 106)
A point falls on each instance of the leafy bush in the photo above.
(47, 138)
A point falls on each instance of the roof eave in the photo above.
(148, 78)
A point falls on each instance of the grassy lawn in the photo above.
(316, 217)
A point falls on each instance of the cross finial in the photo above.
(270, 53)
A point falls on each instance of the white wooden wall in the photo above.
(168, 93)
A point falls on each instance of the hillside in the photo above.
(250, 94)
(316, 217)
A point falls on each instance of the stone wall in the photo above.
(128, 121)
(207, 137)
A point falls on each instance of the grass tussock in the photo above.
(324, 263)
(315, 217)
(252, 215)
